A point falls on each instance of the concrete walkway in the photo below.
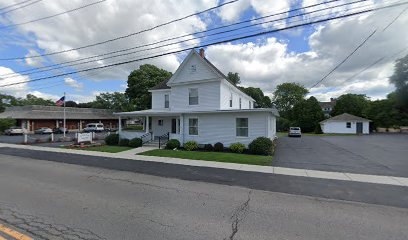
(131, 154)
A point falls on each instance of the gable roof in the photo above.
(327, 104)
(161, 85)
(346, 117)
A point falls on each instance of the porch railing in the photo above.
(147, 137)
(163, 139)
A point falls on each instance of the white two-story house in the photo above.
(199, 103)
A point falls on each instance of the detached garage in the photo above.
(346, 123)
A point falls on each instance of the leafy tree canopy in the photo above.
(355, 104)
(141, 80)
(234, 78)
(257, 94)
(115, 101)
(307, 114)
(288, 95)
(400, 80)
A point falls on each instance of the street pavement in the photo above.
(51, 200)
(377, 154)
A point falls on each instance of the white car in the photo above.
(15, 131)
(94, 127)
(295, 132)
(43, 130)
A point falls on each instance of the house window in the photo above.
(230, 100)
(160, 122)
(166, 101)
(193, 68)
(193, 126)
(242, 127)
(240, 103)
(193, 96)
(348, 124)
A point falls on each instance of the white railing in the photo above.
(131, 134)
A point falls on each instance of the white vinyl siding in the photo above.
(193, 126)
(341, 127)
(193, 96)
(158, 99)
(208, 97)
(228, 93)
(221, 127)
(242, 127)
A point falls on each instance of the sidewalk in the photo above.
(131, 154)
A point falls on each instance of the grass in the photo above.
(212, 156)
(284, 134)
(106, 148)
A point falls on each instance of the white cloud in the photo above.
(73, 83)
(34, 62)
(11, 77)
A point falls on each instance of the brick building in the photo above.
(33, 117)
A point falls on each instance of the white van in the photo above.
(94, 127)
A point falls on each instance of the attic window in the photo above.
(193, 68)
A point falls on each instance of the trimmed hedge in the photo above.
(261, 146)
(135, 143)
(112, 139)
(237, 147)
(219, 147)
(208, 147)
(124, 142)
(172, 144)
(191, 146)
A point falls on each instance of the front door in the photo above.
(173, 125)
(359, 128)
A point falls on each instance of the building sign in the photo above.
(84, 137)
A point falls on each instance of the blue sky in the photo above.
(301, 55)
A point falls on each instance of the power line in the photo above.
(14, 9)
(395, 19)
(15, 4)
(124, 36)
(344, 60)
(51, 16)
(58, 66)
(214, 43)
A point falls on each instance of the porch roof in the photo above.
(152, 112)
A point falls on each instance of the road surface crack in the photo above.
(238, 215)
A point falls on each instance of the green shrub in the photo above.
(218, 147)
(112, 139)
(135, 143)
(318, 129)
(237, 147)
(261, 146)
(6, 123)
(191, 145)
(124, 142)
(172, 144)
(134, 128)
(208, 147)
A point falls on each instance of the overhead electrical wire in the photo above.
(52, 16)
(58, 66)
(123, 36)
(15, 4)
(214, 43)
(17, 8)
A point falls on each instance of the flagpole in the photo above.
(64, 130)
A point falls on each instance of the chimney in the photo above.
(202, 53)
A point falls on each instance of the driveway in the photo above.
(379, 154)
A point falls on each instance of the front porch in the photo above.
(155, 126)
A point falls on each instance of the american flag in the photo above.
(60, 102)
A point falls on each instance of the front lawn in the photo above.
(212, 156)
(105, 148)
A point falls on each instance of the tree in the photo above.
(141, 80)
(33, 100)
(234, 78)
(400, 80)
(84, 105)
(307, 114)
(257, 94)
(384, 113)
(288, 95)
(355, 104)
(115, 101)
(71, 104)
(7, 101)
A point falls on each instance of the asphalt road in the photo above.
(378, 154)
(50, 200)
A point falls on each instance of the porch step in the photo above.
(151, 144)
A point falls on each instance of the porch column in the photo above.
(57, 123)
(120, 125)
(147, 124)
(182, 129)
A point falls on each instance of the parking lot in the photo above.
(43, 139)
(379, 154)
